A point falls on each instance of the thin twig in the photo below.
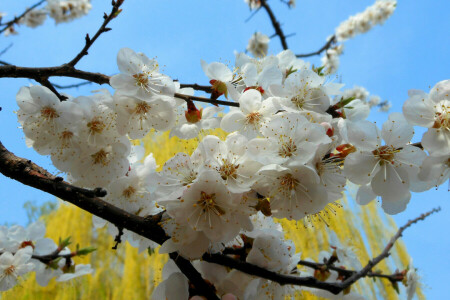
(90, 41)
(197, 87)
(201, 287)
(206, 100)
(70, 86)
(44, 81)
(276, 25)
(16, 19)
(327, 46)
(6, 49)
(372, 263)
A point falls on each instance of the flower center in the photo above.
(208, 203)
(49, 113)
(142, 108)
(141, 79)
(385, 153)
(128, 192)
(298, 101)
(442, 117)
(96, 126)
(287, 182)
(101, 157)
(253, 118)
(287, 148)
(228, 169)
(10, 270)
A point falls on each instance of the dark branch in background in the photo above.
(333, 287)
(196, 279)
(44, 81)
(30, 174)
(90, 41)
(46, 72)
(206, 100)
(266, 274)
(4, 63)
(372, 263)
(276, 25)
(6, 49)
(325, 47)
(398, 276)
(197, 87)
(70, 86)
(16, 19)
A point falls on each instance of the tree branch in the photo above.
(325, 47)
(16, 19)
(372, 263)
(197, 87)
(90, 41)
(70, 86)
(206, 100)
(194, 276)
(282, 279)
(276, 25)
(59, 71)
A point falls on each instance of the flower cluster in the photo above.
(364, 21)
(357, 24)
(23, 250)
(60, 10)
(294, 140)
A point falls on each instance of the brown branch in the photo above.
(325, 47)
(273, 276)
(70, 86)
(276, 25)
(90, 41)
(16, 19)
(398, 276)
(195, 277)
(197, 87)
(206, 100)
(30, 174)
(65, 70)
(372, 263)
(44, 81)
(333, 287)
(6, 49)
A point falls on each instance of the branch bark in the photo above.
(276, 25)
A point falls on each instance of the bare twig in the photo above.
(276, 25)
(372, 263)
(206, 100)
(90, 41)
(398, 276)
(4, 63)
(273, 276)
(44, 81)
(197, 87)
(70, 86)
(194, 276)
(331, 41)
(16, 19)
(6, 49)
(12, 71)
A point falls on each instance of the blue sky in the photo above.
(410, 51)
